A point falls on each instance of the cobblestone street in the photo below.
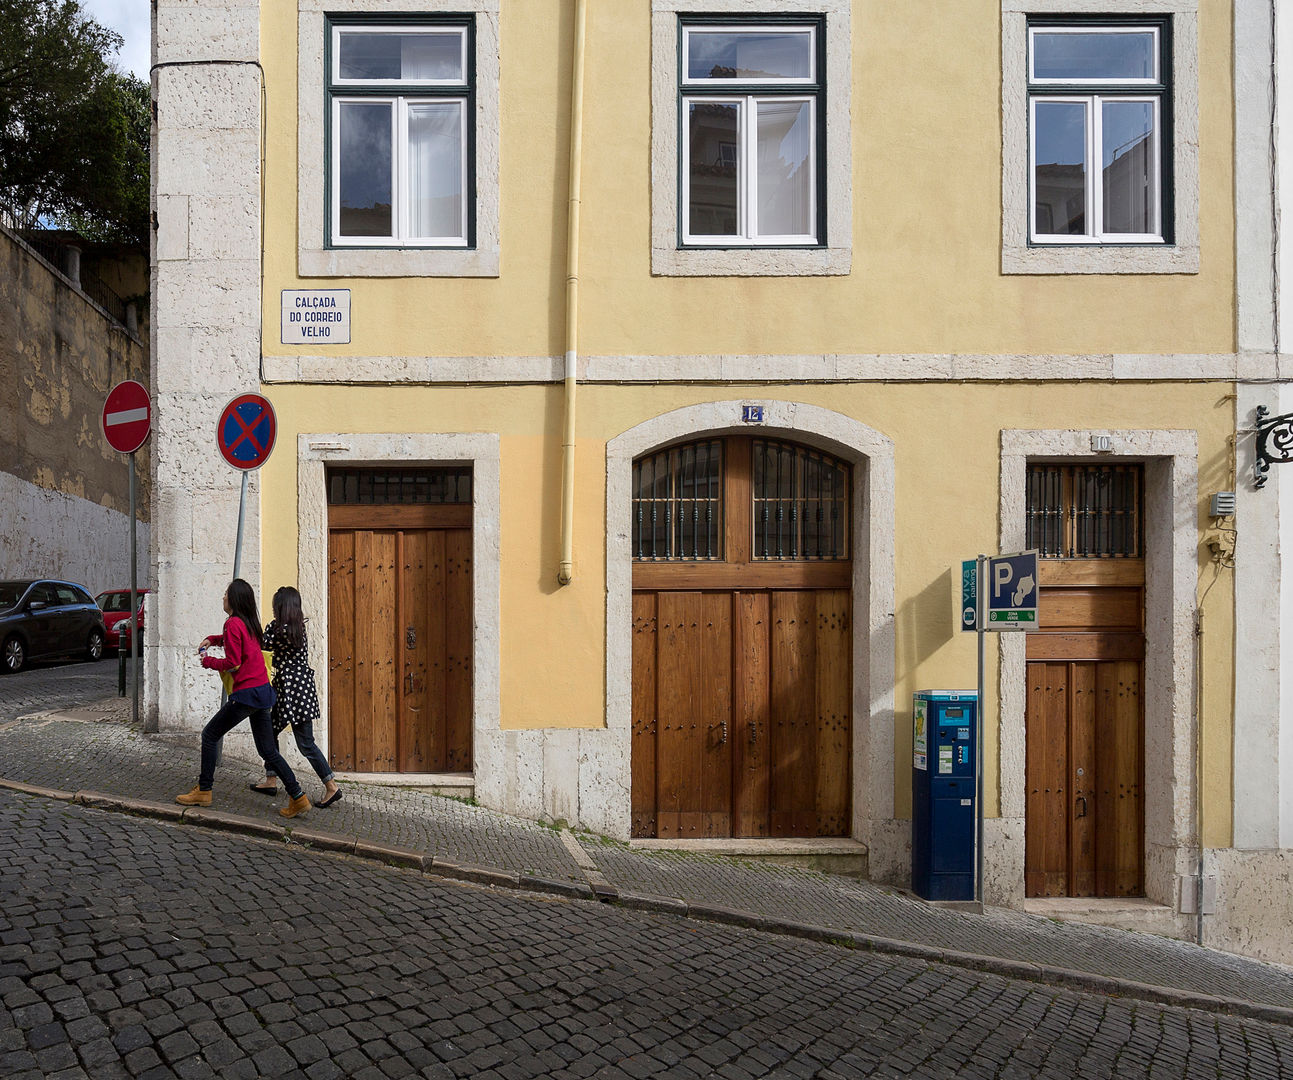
(56, 685)
(132, 948)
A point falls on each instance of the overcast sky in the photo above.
(130, 19)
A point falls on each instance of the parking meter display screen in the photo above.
(954, 717)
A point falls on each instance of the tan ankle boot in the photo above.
(196, 797)
(299, 805)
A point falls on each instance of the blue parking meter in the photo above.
(944, 812)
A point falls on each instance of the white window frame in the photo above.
(669, 257)
(747, 153)
(401, 211)
(1018, 254)
(315, 259)
(1076, 28)
(707, 91)
(1093, 195)
(718, 27)
(341, 29)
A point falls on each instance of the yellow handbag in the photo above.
(226, 677)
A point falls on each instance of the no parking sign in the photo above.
(246, 431)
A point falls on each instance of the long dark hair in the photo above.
(287, 613)
(242, 603)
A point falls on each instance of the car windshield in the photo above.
(114, 601)
(11, 592)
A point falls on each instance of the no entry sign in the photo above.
(127, 416)
(246, 431)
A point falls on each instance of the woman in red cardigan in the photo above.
(252, 697)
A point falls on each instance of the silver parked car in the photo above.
(47, 618)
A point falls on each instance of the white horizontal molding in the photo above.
(777, 368)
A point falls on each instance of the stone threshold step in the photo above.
(460, 785)
(830, 854)
(1120, 912)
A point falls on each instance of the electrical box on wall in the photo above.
(1222, 504)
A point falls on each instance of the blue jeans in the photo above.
(304, 736)
(230, 716)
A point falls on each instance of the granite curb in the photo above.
(437, 866)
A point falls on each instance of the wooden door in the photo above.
(1085, 727)
(400, 638)
(742, 683)
(1084, 813)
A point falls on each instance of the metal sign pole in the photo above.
(980, 619)
(237, 553)
(242, 511)
(136, 649)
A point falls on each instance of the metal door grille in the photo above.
(801, 503)
(399, 487)
(678, 503)
(1086, 511)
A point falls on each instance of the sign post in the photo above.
(998, 592)
(127, 420)
(245, 434)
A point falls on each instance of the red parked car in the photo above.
(115, 605)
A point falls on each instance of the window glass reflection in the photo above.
(1117, 55)
(1128, 166)
(1059, 177)
(364, 169)
(422, 57)
(749, 55)
(713, 132)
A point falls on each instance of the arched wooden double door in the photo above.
(742, 641)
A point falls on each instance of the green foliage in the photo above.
(73, 132)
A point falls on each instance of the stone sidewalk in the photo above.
(95, 758)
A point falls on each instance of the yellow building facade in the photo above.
(810, 282)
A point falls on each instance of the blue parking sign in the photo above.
(1012, 591)
(970, 594)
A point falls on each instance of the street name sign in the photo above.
(127, 416)
(316, 316)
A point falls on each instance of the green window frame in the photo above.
(734, 131)
(1128, 199)
(410, 134)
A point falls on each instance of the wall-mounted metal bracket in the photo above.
(1274, 443)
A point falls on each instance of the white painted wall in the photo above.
(206, 186)
(48, 534)
(1284, 334)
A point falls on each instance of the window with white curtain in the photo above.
(401, 101)
(751, 132)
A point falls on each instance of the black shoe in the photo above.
(271, 792)
(334, 797)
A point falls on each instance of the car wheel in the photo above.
(94, 647)
(13, 655)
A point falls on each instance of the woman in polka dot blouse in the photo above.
(296, 702)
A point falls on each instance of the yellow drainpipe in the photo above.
(566, 573)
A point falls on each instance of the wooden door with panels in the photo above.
(400, 620)
(1085, 816)
(742, 641)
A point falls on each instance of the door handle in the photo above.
(723, 741)
(1077, 813)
